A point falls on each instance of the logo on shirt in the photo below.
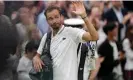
(63, 38)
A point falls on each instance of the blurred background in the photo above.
(22, 21)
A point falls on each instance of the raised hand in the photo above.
(79, 8)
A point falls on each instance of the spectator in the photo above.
(25, 63)
(116, 14)
(112, 52)
(8, 44)
(95, 17)
(128, 47)
(70, 9)
(25, 29)
(41, 21)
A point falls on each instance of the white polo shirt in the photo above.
(64, 52)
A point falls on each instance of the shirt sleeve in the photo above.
(77, 34)
(40, 49)
(127, 49)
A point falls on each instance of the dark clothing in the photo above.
(110, 16)
(128, 75)
(106, 51)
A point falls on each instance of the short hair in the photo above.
(32, 45)
(51, 8)
(109, 27)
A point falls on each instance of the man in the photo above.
(64, 43)
(117, 14)
(112, 52)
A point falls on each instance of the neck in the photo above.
(110, 38)
(55, 31)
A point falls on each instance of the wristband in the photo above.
(84, 17)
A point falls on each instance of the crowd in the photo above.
(23, 24)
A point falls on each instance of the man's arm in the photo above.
(92, 35)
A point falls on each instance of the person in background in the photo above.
(112, 53)
(128, 48)
(25, 62)
(95, 17)
(8, 45)
(3, 17)
(27, 30)
(117, 14)
(69, 10)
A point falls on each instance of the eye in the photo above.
(50, 18)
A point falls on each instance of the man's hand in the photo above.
(92, 34)
(79, 9)
(38, 63)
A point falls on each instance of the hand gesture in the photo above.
(79, 8)
(38, 63)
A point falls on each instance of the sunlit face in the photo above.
(54, 19)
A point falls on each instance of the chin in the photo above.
(55, 27)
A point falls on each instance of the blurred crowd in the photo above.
(23, 23)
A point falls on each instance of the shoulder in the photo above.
(5, 17)
(66, 28)
(109, 11)
(24, 61)
(104, 44)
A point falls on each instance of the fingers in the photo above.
(78, 3)
(37, 62)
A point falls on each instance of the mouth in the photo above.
(56, 24)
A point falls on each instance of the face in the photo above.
(32, 54)
(96, 12)
(54, 19)
(2, 6)
(117, 3)
(114, 32)
(24, 14)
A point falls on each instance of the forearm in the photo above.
(90, 27)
